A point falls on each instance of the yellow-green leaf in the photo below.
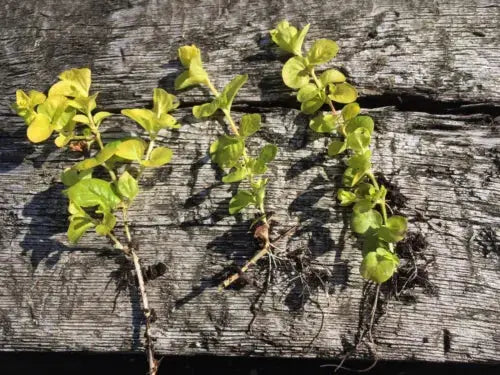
(331, 76)
(159, 157)
(163, 102)
(343, 93)
(322, 51)
(131, 149)
(294, 73)
(40, 129)
(74, 82)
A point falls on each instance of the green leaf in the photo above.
(81, 119)
(160, 156)
(226, 151)
(163, 102)
(360, 122)
(166, 121)
(106, 153)
(324, 123)
(362, 221)
(379, 265)
(314, 104)
(144, 117)
(360, 162)
(131, 149)
(206, 109)
(100, 116)
(73, 82)
(268, 153)
(358, 140)
(343, 93)
(78, 225)
(331, 76)
(322, 51)
(225, 99)
(346, 197)
(40, 128)
(336, 147)
(71, 176)
(235, 176)
(365, 190)
(371, 241)
(352, 176)
(127, 186)
(307, 92)
(363, 206)
(394, 230)
(295, 73)
(241, 200)
(91, 192)
(26, 103)
(249, 124)
(190, 57)
(350, 111)
(288, 38)
(84, 104)
(188, 54)
(107, 224)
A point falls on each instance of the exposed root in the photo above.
(262, 234)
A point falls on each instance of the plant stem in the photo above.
(125, 224)
(153, 364)
(231, 279)
(148, 155)
(98, 138)
(227, 113)
(381, 203)
(146, 310)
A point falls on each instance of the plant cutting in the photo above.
(95, 203)
(230, 151)
(352, 133)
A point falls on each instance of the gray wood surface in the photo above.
(429, 71)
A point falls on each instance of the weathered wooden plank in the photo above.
(409, 51)
(57, 297)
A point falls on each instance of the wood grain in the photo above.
(59, 297)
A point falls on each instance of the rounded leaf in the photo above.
(249, 124)
(127, 186)
(131, 149)
(336, 147)
(307, 92)
(350, 111)
(362, 221)
(324, 123)
(159, 157)
(358, 140)
(379, 265)
(322, 51)
(360, 122)
(294, 73)
(331, 76)
(40, 128)
(344, 93)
